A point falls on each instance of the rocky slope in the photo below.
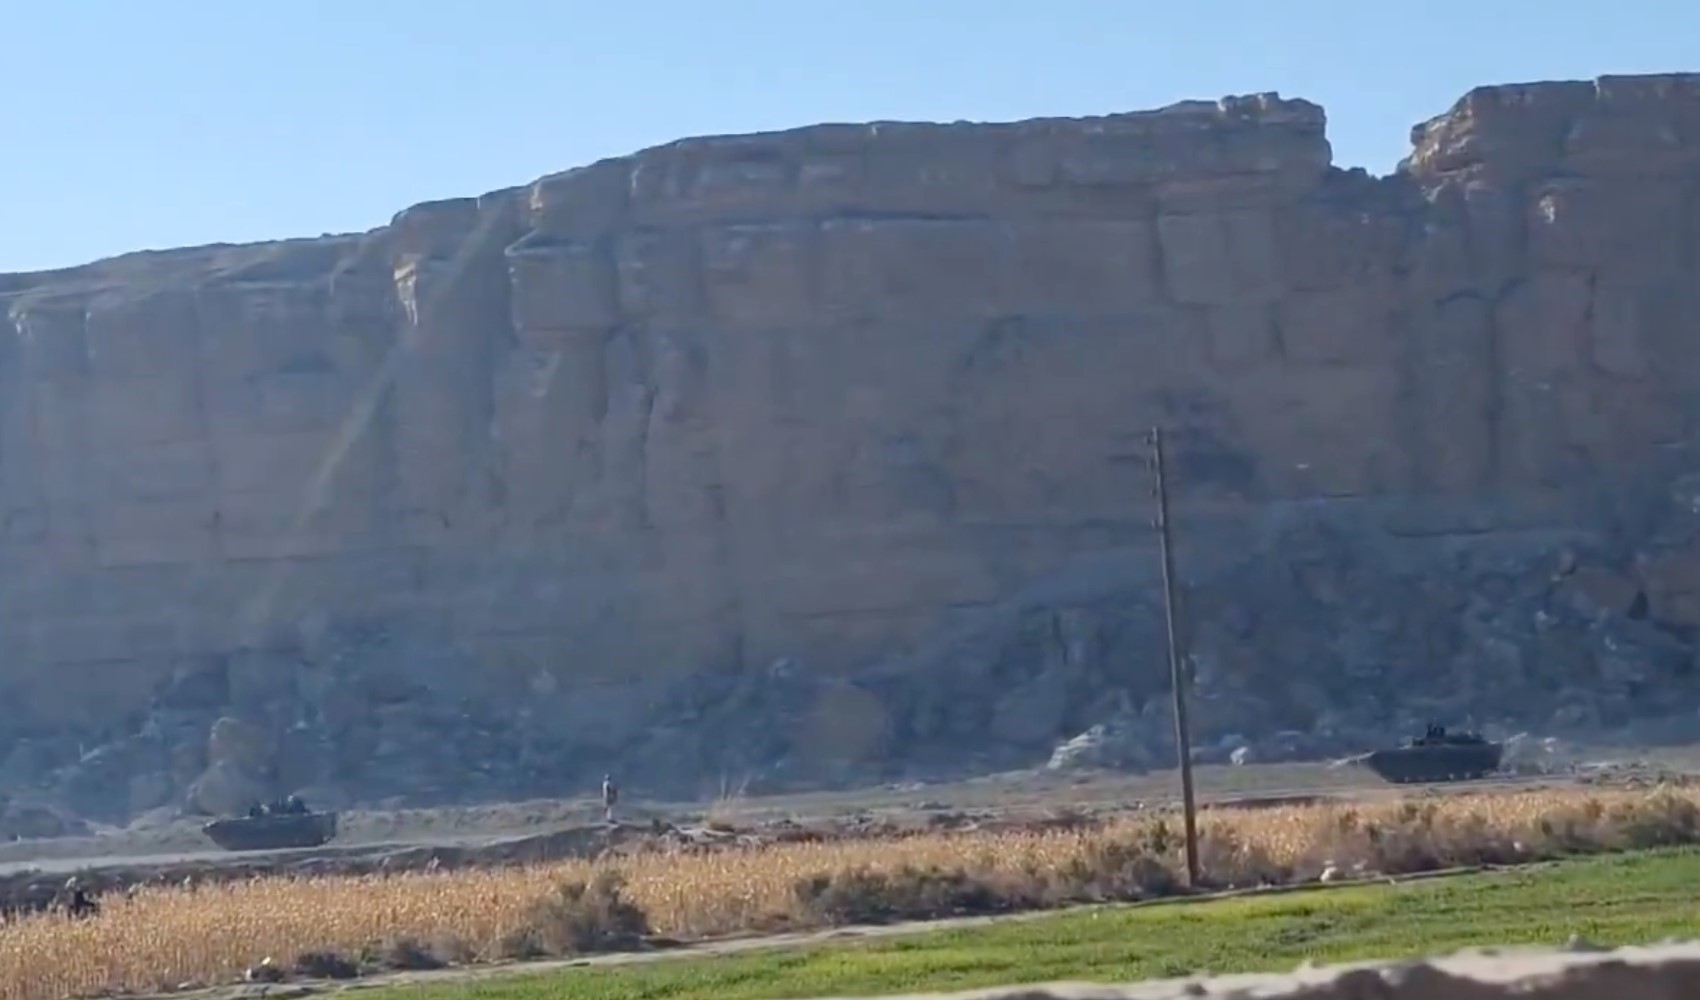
(813, 455)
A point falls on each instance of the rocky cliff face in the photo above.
(813, 454)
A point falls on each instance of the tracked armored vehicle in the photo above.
(1436, 756)
(279, 826)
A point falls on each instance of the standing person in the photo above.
(75, 900)
(610, 795)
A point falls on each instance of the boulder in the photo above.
(1122, 743)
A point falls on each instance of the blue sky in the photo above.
(133, 124)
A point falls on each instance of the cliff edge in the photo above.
(818, 455)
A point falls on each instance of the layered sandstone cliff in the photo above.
(799, 453)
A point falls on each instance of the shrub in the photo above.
(861, 896)
(324, 965)
(407, 952)
(581, 917)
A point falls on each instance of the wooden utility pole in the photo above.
(1177, 674)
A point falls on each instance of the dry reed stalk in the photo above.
(160, 938)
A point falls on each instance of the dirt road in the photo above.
(1011, 797)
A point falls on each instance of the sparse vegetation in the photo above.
(1627, 899)
(161, 939)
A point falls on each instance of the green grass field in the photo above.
(1622, 899)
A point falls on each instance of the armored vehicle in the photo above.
(1436, 756)
(280, 825)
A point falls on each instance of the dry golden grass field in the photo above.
(158, 939)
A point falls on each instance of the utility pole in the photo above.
(1177, 675)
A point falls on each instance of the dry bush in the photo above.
(580, 917)
(160, 938)
(407, 952)
(325, 965)
(870, 896)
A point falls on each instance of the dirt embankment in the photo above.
(1661, 972)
